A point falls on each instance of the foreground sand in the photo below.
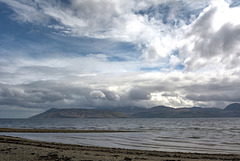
(17, 149)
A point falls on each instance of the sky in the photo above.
(117, 53)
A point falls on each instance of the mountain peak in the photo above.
(232, 110)
(79, 113)
(233, 107)
(161, 108)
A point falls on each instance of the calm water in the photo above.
(218, 135)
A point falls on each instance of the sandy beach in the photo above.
(18, 149)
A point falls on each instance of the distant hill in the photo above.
(232, 110)
(79, 113)
(125, 110)
(168, 112)
(233, 107)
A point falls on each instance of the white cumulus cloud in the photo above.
(213, 40)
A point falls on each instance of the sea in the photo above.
(195, 135)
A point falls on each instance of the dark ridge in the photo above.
(233, 107)
(232, 110)
(79, 113)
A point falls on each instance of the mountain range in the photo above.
(232, 110)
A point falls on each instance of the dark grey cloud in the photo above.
(233, 97)
(219, 86)
(67, 94)
(49, 94)
(42, 94)
(216, 93)
(111, 96)
(139, 94)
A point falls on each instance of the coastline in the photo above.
(14, 148)
(11, 130)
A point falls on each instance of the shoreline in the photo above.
(15, 130)
(14, 148)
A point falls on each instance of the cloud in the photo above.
(158, 49)
(121, 53)
(174, 61)
(214, 97)
(97, 94)
(144, 90)
(111, 95)
(26, 11)
(26, 69)
(139, 94)
(213, 39)
(149, 25)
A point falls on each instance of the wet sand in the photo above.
(18, 149)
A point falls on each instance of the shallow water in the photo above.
(215, 135)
